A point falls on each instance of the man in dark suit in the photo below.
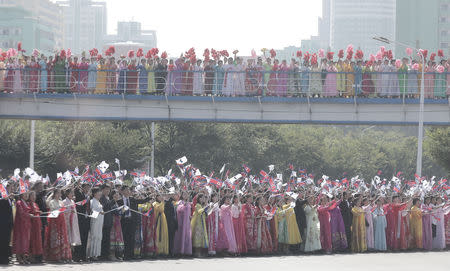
(347, 216)
(129, 220)
(6, 225)
(172, 223)
(83, 210)
(106, 203)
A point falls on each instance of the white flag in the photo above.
(181, 161)
(222, 169)
(117, 161)
(271, 167)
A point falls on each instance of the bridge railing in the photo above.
(303, 83)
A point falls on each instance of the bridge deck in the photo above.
(355, 111)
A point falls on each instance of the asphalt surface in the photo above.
(420, 261)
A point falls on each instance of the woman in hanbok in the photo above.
(183, 236)
(122, 74)
(325, 225)
(415, 224)
(36, 250)
(238, 225)
(92, 75)
(151, 76)
(282, 233)
(402, 77)
(340, 77)
(248, 216)
(379, 227)
(59, 76)
(283, 74)
(175, 82)
(412, 82)
(148, 229)
(291, 221)
(404, 229)
(312, 239)
(198, 227)
(212, 224)
(13, 79)
(219, 78)
(262, 234)
(228, 88)
(368, 208)
(315, 80)
(273, 84)
(271, 209)
(131, 78)
(330, 82)
(357, 69)
(102, 75)
(33, 75)
(338, 237)
(116, 237)
(429, 84)
(198, 78)
(427, 236)
(22, 229)
(83, 75)
(43, 74)
(162, 232)
(350, 79)
(304, 78)
(359, 243)
(226, 238)
(440, 85)
(239, 78)
(394, 89)
(143, 77)
(56, 244)
(367, 83)
(111, 76)
(71, 217)
(209, 70)
(384, 71)
(251, 80)
(294, 78)
(438, 215)
(94, 242)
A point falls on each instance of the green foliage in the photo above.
(330, 150)
(438, 145)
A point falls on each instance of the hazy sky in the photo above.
(228, 24)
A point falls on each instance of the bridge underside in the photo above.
(359, 111)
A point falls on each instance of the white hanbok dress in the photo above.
(94, 243)
(312, 242)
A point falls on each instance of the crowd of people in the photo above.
(93, 216)
(218, 73)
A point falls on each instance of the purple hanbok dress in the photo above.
(183, 239)
(283, 74)
(176, 81)
(338, 237)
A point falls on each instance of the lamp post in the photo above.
(422, 100)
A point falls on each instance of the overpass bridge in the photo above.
(280, 110)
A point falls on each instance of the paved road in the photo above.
(430, 261)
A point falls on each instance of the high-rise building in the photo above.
(358, 21)
(423, 24)
(324, 25)
(132, 32)
(35, 23)
(84, 24)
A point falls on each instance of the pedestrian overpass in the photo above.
(348, 111)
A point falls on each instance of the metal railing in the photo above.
(225, 83)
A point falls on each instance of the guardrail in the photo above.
(219, 82)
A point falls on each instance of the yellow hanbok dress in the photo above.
(415, 228)
(359, 243)
(198, 226)
(292, 227)
(162, 233)
(100, 87)
(350, 80)
(151, 78)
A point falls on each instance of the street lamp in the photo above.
(422, 100)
